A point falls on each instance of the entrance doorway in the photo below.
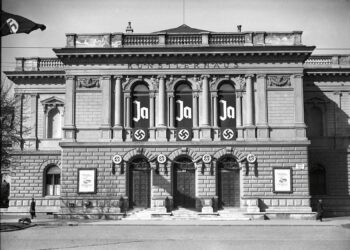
(139, 183)
(184, 183)
(228, 182)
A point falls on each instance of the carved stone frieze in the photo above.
(278, 81)
(239, 82)
(126, 83)
(88, 82)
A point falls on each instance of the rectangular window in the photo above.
(53, 184)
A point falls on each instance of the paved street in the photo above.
(178, 237)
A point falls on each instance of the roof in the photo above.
(182, 29)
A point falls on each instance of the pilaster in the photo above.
(261, 114)
(32, 140)
(118, 127)
(105, 128)
(69, 116)
(249, 128)
(300, 128)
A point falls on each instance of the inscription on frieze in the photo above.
(183, 66)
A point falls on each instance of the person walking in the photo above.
(32, 209)
(320, 210)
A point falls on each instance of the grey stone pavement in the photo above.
(44, 220)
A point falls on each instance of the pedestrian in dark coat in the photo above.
(32, 209)
(320, 210)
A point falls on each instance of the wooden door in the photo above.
(140, 188)
(185, 188)
(229, 188)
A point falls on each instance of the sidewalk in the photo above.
(48, 220)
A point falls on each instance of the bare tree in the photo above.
(12, 129)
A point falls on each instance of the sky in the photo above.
(325, 23)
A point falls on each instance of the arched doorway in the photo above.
(228, 182)
(184, 182)
(139, 183)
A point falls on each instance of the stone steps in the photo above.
(186, 214)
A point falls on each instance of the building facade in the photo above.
(245, 121)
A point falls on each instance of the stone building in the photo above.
(243, 122)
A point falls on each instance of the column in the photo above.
(32, 140)
(171, 110)
(239, 116)
(128, 117)
(118, 127)
(171, 117)
(161, 102)
(262, 126)
(215, 110)
(106, 108)
(128, 110)
(195, 116)
(69, 114)
(300, 128)
(152, 135)
(215, 117)
(161, 126)
(205, 126)
(205, 102)
(249, 128)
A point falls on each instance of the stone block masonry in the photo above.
(28, 181)
(256, 180)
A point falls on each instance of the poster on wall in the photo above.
(282, 180)
(87, 180)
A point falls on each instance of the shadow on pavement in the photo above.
(8, 227)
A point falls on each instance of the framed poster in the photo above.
(282, 180)
(87, 180)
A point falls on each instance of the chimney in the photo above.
(239, 28)
(129, 29)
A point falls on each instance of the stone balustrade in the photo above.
(39, 64)
(326, 61)
(183, 39)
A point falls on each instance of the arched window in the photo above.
(54, 123)
(314, 122)
(53, 180)
(317, 180)
(183, 107)
(140, 111)
(227, 106)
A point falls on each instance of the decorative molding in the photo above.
(240, 82)
(52, 102)
(88, 82)
(126, 83)
(279, 81)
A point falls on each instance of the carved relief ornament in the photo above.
(279, 81)
(88, 82)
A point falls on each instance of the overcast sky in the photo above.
(325, 23)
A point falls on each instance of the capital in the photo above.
(70, 77)
(118, 77)
(161, 77)
(106, 77)
(298, 76)
(249, 76)
(263, 76)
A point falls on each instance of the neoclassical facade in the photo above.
(245, 122)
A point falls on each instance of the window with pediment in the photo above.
(53, 117)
